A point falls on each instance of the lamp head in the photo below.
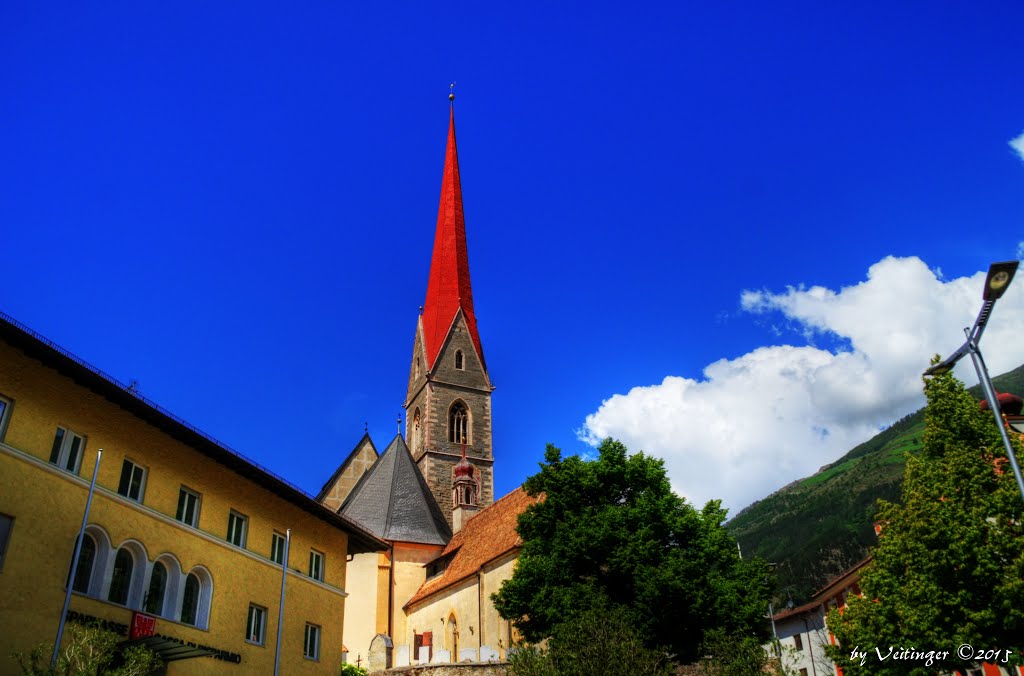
(999, 277)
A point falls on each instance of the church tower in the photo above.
(448, 403)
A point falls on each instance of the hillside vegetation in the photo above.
(817, 527)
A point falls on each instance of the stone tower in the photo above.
(448, 402)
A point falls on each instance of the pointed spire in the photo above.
(448, 289)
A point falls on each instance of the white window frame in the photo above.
(311, 642)
(60, 455)
(143, 473)
(277, 547)
(256, 625)
(238, 528)
(316, 572)
(188, 492)
(6, 404)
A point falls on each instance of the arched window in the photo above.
(190, 604)
(86, 557)
(195, 602)
(458, 423)
(453, 637)
(416, 431)
(458, 360)
(154, 603)
(121, 580)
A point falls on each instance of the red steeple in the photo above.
(449, 289)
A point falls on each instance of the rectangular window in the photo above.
(277, 542)
(5, 413)
(133, 481)
(316, 565)
(311, 646)
(188, 507)
(6, 525)
(67, 450)
(798, 641)
(256, 627)
(237, 526)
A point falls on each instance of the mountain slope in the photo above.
(817, 527)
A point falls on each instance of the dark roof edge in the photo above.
(108, 387)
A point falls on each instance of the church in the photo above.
(430, 494)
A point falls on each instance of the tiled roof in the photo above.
(393, 502)
(448, 287)
(832, 587)
(485, 537)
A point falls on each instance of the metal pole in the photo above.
(993, 403)
(74, 560)
(280, 610)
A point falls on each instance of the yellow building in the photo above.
(180, 527)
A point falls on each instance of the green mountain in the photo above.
(819, 526)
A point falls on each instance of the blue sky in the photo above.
(730, 234)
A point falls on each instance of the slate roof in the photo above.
(344, 465)
(393, 502)
(485, 537)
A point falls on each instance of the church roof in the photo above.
(448, 289)
(325, 489)
(485, 537)
(393, 502)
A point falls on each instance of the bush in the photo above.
(349, 669)
(595, 643)
(89, 651)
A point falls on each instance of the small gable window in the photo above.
(458, 424)
(459, 363)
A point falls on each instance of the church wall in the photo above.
(465, 600)
(433, 616)
(409, 574)
(361, 605)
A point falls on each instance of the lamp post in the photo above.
(999, 277)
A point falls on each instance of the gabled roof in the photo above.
(845, 579)
(326, 488)
(487, 536)
(50, 354)
(448, 288)
(393, 502)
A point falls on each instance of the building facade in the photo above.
(181, 529)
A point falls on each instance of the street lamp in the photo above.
(999, 277)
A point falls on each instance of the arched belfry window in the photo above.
(459, 364)
(416, 430)
(458, 423)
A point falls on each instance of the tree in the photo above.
(948, 569)
(610, 535)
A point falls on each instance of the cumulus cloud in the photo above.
(1018, 145)
(773, 415)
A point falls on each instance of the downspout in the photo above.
(391, 591)
(480, 609)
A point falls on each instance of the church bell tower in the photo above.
(448, 402)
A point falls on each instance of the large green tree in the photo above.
(610, 534)
(948, 570)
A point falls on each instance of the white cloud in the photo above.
(1018, 145)
(777, 413)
